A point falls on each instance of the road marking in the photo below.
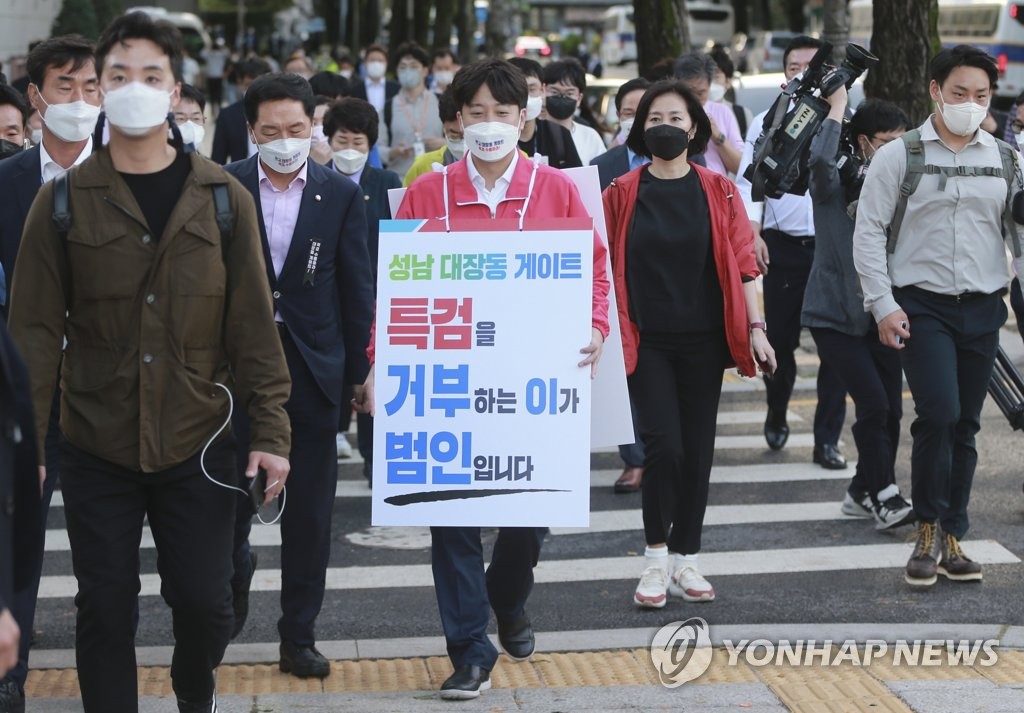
(746, 562)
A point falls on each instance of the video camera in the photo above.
(780, 154)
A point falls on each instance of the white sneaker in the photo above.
(650, 592)
(893, 510)
(858, 507)
(344, 447)
(690, 585)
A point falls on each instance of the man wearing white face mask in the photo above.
(493, 181)
(314, 236)
(375, 88)
(64, 89)
(190, 117)
(164, 322)
(933, 271)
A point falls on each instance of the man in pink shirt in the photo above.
(696, 70)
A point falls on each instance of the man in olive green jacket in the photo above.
(165, 319)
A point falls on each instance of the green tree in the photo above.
(904, 37)
(662, 30)
(444, 21)
(76, 17)
(106, 11)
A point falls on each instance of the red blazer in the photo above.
(732, 241)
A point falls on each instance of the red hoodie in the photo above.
(733, 246)
(551, 195)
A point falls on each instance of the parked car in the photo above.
(531, 46)
(770, 49)
(757, 92)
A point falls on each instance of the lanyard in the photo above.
(417, 128)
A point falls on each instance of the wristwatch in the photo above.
(720, 139)
(758, 325)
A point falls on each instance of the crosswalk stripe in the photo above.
(747, 562)
(731, 443)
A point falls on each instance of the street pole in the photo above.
(240, 33)
(342, 14)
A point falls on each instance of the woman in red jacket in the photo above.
(683, 269)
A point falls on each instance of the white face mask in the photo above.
(318, 135)
(37, 136)
(136, 109)
(284, 155)
(1020, 140)
(624, 126)
(192, 133)
(346, 73)
(533, 107)
(375, 70)
(457, 148)
(350, 161)
(444, 77)
(70, 122)
(963, 119)
(491, 140)
(717, 92)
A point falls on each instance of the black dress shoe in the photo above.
(303, 661)
(829, 457)
(466, 683)
(516, 637)
(776, 431)
(12, 699)
(209, 706)
(240, 597)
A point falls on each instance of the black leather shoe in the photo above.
(12, 699)
(303, 661)
(516, 638)
(466, 683)
(829, 457)
(240, 597)
(209, 706)
(776, 431)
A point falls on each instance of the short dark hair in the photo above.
(694, 65)
(446, 109)
(352, 114)
(320, 100)
(251, 68)
(191, 93)
(529, 67)
(9, 96)
(376, 48)
(700, 121)
(875, 116)
(568, 70)
(346, 59)
(949, 59)
(633, 85)
(662, 69)
(413, 50)
(279, 85)
(507, 84)
(140, 26)
(721, 58)
(56, 52)
(329, 84)
(800, 42)
(438, 54)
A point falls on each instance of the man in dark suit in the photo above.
(231, 134)
(351, 126)
(313, 229)
(64, 89)
(375, 88)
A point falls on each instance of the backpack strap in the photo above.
(911, 178)
(61, 215)
(225, 216)
(388, 113)
(1011, 172)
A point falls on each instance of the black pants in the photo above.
(948, 361)
(675, 388)
(466, 594)
(191, 521)
(872, 374)
(784, 286)
(308, 502)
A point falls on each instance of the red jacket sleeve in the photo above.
(741, 235)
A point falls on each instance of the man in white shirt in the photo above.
(376, 88)
(565, 83)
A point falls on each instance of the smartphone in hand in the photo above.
(258, 489)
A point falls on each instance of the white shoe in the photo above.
(651, 591)
(893, 510)
(690, 585)
(344, 447)
(860, 506)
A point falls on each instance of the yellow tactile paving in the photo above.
(820, 689)
(1009, 671)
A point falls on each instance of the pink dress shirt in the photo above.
(280, 213)
(726, 122)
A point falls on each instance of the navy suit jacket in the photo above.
(359, 90)
(329, 315)
(20, 179)
(611, 164)
(375, 183)
(231, 135)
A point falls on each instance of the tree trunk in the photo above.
(465, 21)
(662, 30)
(837, 27)
(443, 23)
(421, 22)
(495, 39)
(795, 20)
(400, 28)
(904, 36)
(741, 15)
(369, 22)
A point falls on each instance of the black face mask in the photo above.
(8, 148)
(666, 142)
(560, 108)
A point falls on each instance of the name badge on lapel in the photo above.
(311, 261)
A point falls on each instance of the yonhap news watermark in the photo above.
(682, 651)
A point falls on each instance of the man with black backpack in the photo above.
(148, 260)
(928, 245)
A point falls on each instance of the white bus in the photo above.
(193, 32)
(711, 22)
(996, 26)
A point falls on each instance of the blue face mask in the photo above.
(409, 77)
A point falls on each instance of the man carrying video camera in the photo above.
(784, 230)
(932, 267)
